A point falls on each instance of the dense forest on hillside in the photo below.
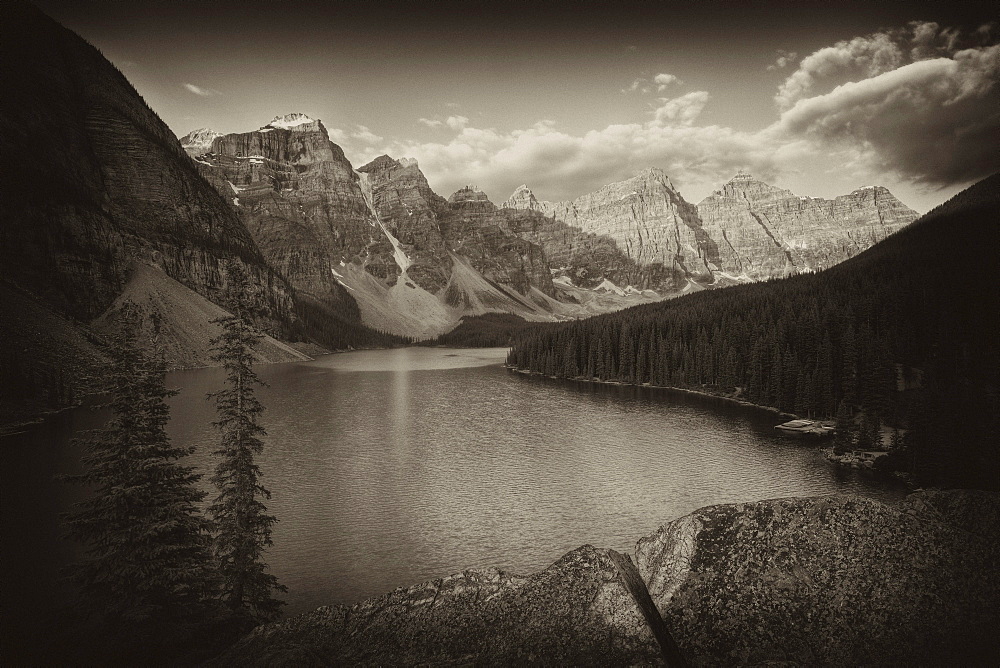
(905, 334)
(332, 328)
(490, 330)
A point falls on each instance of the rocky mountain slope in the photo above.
(198, 141)
(96, 186)
(183, 325)
(379, 239)
(747, 230)
(816, 581)
(648, 221)
(415, 263)
(94, 180)
(299, 197)
(761, 231)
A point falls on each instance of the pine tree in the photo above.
(845, 429)
(148, 570)
(870, 432)
(242, 525)
(896, 443)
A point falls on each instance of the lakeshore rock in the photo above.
(833, 580)
(830, 580)
(578, 611)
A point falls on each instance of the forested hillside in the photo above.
(905, 333)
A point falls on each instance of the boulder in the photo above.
(578, 611)
(830, 580)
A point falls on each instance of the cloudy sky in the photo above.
(817, 97)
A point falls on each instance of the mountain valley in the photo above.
(255, 376)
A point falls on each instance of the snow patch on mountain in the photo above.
(289, 121)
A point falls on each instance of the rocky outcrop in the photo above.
(405, 204)
(101, 180)
(640, 232)
(579, 259)
(830, 580)
(378, 241)
(814, 581)
(579, 611)
(473, 226)
(762, 231)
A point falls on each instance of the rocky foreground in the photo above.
(817, 581)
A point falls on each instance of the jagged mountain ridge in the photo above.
(378, 239)
(631, 241)
(762, 231)
(199, 141)
(298, 196)
(646, 218)
(747, 230)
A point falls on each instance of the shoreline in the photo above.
(821, 450)
(681, 390)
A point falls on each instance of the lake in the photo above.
(392, 467)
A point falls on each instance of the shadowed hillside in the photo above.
(95, 184)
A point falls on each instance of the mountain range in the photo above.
(416, 263)
(902, 335)
(103, 204)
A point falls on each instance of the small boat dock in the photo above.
(805, 428)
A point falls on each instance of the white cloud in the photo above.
(782, 60)
(866, 106)
(338, 136)
(658, 83)
(641, 85)
(203, 92)
(875, 54)
(683, 110)
(366, 136)
(662, 81)
(931, 121)
(561, 165)
(454, 122)
(917, 101)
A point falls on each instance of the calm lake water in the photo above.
(388, 468)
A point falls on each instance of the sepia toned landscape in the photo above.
(441, 334)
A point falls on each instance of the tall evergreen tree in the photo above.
(870, 432)
(242, 525)
(845, 429)
(148, 566)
